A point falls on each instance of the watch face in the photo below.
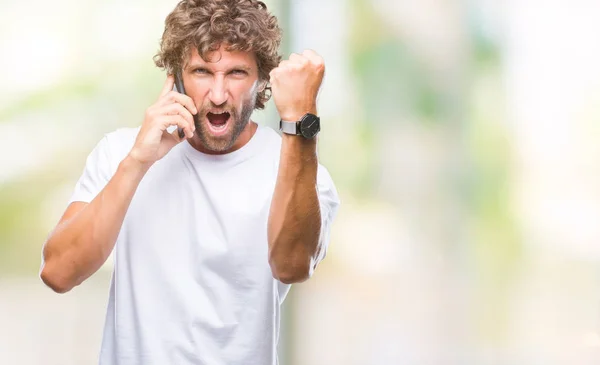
(310, 126)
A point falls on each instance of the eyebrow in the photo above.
(206, 66)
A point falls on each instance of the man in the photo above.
(209, 229)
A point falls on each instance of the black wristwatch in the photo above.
(308, 126)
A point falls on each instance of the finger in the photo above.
(175, 97)
(186, 101)
(273, 75)
(315, 59)
(177, 109)
(179, 137)
(296, 58)
(177, 120)
(283, 66)
(172, 139)
(168, 86)
(312, 55)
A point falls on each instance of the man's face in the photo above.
(224, 90)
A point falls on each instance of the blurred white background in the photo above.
(462, 136)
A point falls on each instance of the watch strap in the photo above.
(288, 127)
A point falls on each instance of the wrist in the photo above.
(298, 155)
(297, 144)
(307, 126)
(132, 164)
(296, 114)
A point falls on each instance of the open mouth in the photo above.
(218, 121)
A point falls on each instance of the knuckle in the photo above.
(150, 113)
(182, 110)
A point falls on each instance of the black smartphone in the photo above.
(180, 89)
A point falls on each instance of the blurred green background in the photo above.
(463, 137)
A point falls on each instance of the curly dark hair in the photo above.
(240, 25)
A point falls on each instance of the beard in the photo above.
(237, 122)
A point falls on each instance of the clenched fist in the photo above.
(172, 108)
(295, 84)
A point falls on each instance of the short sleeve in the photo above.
(329, 203)
(96, 174)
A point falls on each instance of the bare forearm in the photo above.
(294, 219)
(79, 246)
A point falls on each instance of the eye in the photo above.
(201, 71)
(238, 72)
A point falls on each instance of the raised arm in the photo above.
(87, 232)
(295, 219)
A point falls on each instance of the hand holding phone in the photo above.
(171, 108)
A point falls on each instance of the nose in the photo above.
(218, 90)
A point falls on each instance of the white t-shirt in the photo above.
(191, 281)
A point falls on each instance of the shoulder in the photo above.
(118, 143)
(122, 137)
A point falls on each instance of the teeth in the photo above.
(218, 113)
